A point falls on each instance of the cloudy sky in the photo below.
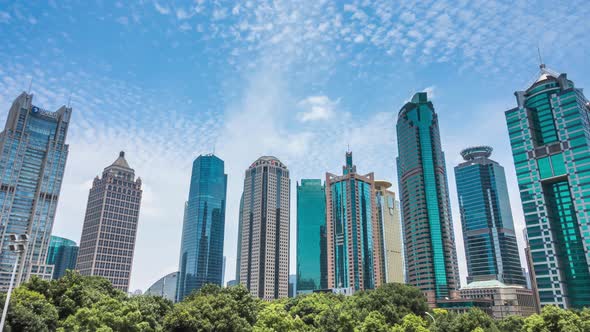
(302, 80)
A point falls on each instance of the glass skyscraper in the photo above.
(486, 218)
(352, 230)
(264, 260)
(311, 236)
(431, 258)
(549, 134)
(62, 254)
(201, 252)
(33, 156)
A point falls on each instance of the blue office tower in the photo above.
(62, 254)
(201, 252)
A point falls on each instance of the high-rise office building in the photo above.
(431, 258)
(164, 287)
(551, 149)
(486, 218)
(311, 236)
(239, 247)
(391, 244)
(264, 259)
(62, 254)
(201, 252)
(352, 230)
(110, 225)
(33, 155)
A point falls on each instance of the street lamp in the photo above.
(18, 246)
(429, 315)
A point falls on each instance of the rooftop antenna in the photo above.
(30, 85)
(541, 64)
(69, 100)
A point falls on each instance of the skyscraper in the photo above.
(486, 218)
(201, 252)
(390, 227)
(62, 254)
(239, 246)
(110, 225)
(164, 287)
(264, 263)
(551, 149)
(311, 236)
(431, 258)
(352, 230)
(33, 156)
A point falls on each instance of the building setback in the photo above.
(488, 229)
(201, 252)
(352, 230)
(264, 258)
(551, 149)
(62, 254)
(311, 236)
(110, 225)
(389, 220)
(33, 156)
(431, 259)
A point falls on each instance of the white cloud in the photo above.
(123, 20)
(162, 9)
(182, 14)
(431, 91)
(184, 27)
(317, 108)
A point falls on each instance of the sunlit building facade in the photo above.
(311, 236)
(108, 237)
(431, 258)
(33, 153)
(486, 217)
(352, 230)
(551, 149)
(264, 258)
(391, 245)
(201, 252)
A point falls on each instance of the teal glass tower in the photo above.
(201, 252)
(33, 153)
(486, 218)
(62, 254)
(430, 254)
(311, 236)
(353, 235)
(551, 149)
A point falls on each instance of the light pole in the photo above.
(429, 315)
(18, 246)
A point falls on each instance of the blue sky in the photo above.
(167, 81)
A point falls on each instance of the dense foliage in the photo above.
(79, 303)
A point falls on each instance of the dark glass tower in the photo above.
(62, 254)
(431, 259)
(551, 149)
(33, 156)
(201, 252)
(352, 230)
(311, 236)
(486, 218)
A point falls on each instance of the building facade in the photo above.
(62, 254)
(110, 225)
(352, 230)
(165, 287)
(507, 300)
(33, 153)
(551, 149)
(201, 252)
(264, 258)
(430, 254)
(391, 243)
(311, 236)
(486, 217)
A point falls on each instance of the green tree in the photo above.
(274, 317)
(375, 322)
(214, 309)
(309, 308)
(30, 311)
(554, 319)
(511, 323)
(393, 300)
(473, 319)
(411, 323)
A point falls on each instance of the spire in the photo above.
(121, 162)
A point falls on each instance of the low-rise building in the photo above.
(506, 299)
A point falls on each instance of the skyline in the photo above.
(120, 106)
